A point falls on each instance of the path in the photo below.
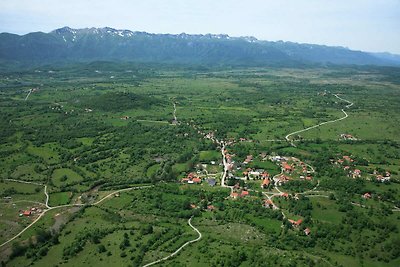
(175, 118)
(322, 123)
(180, 248)
(30, 91)
(47, 197)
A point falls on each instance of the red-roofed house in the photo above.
(295, 223)
(347, 158)
(283, 179)
(367, 196)
(283, 194)
(286, 167)
(196, 180)
(265, 183)
(27, 213)
(234, 195)
(265, 175)
(268, 203)
(210, 207)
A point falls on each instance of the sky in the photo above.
(368, 25)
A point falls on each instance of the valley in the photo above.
(141, 165)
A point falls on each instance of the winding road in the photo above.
(49, 208)
(180, 248)
(322, 123)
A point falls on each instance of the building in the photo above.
(307, 231)
(265, 183)
(295, 223)
(211, 181)
(367, 195)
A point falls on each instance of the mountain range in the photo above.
(94, 44)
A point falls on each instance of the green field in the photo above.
(84, 137)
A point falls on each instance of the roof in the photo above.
(234, 195)
(367, 195)
(268, 202)
(244, 193)
(307, 231)
(210, 207)
(27, 212)
(211, 181)
(266, 182)
(196, 180)
(298, 222)
(286, 166)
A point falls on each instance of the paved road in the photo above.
(180, 248)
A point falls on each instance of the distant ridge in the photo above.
(92, 44)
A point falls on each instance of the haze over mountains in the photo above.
(92, 44)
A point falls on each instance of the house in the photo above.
(347, 137)
(367, 195)
(347, 158)
(191, 179)
(211, 181)
(265, 175)
(255, 173)
(283, 194)
(210, 208)
(265, 183)
(286, 167)
(295, 223)
(196, 180)
(307, 231)
(193, 206)
(356, 173)
(382, 179)
(276, 158)
(268, 203)
(283, 179)
(309, 178)
(244, 193)
(248, 159)
(27, 213)
(234, 195)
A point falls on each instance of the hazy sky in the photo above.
(369, 25)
